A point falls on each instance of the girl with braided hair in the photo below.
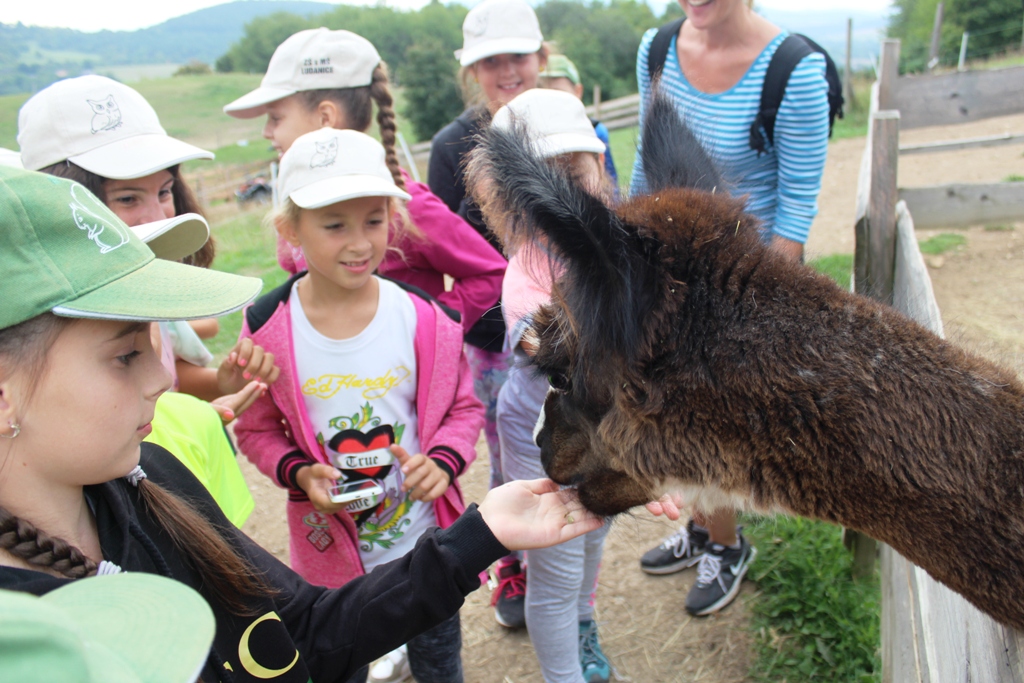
(320, 78)
(82, 494)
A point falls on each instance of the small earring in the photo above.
(17, 430)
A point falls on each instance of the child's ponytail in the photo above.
(227, 573)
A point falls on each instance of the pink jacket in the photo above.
(275, 433)
(449, 246)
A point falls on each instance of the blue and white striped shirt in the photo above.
(781, 186)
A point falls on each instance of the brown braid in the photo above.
(381, 94)
(22, 539)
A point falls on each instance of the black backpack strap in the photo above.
(786, 57)
(658, 53)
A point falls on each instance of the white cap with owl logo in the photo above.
(101, 125)
(329, 166)
(314, 59)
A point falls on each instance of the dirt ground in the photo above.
(644, 629)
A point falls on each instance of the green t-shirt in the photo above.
(192, 430)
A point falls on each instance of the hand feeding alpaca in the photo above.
(684, 354)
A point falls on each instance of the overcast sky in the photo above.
(126, 15)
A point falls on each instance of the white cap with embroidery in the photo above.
(497, 27)
(314, 59)
(329, 166)
(103, 126)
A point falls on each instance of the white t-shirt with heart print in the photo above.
(360, 394)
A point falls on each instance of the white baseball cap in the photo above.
(101, 125)
(557, 120)
(329, 166)
(8, 157)
(314, 59)
(498, 27)
(174, 238)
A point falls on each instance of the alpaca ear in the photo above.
(607, 285)
(671, 154)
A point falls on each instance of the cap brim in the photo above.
(175, 238)
(165, 290)
(567, 143)
(498, 46)
(342, 188)
(138, 156)
(141, 622)
(254, 104)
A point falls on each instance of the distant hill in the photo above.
(32, 57)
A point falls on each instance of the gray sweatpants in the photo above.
(561, 581)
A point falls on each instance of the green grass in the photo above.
(940, 244)
(244, 247)
(839, 267)
(811, 621)
(1013, 178)
(998, 228)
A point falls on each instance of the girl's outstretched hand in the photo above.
(535, 514)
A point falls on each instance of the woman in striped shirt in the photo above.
(714, 72)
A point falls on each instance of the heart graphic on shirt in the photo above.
(347, 445)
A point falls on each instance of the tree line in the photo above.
(995, 26)
(601, 38)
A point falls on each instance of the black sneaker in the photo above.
(719, 575)
(509, 596)
(677, 552)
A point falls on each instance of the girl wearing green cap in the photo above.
(80, 494)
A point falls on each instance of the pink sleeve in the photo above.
(451, 246)
(263, 436)
(527, 286)
(455, 439)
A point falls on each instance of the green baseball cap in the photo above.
(62, 250)
(119, 628)
(560, 66)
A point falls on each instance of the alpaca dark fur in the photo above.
(685, 354)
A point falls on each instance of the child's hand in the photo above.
(246, 362)
(316, 480)
(667, 505)
(231, 406)
(535, 514)
(423, 478)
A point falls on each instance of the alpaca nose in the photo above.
(537, 428)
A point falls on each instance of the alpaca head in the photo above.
(609, 339)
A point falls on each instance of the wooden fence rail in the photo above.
(929, 633)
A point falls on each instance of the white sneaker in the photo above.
(391, 668)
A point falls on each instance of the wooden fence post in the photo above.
(847, 69)
(597, 101)
(874, 261)
(888, 72)
(933, 53)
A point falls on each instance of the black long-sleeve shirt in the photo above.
(335, 632)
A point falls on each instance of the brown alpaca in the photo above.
(684, 354)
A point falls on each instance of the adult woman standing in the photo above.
(714, 72)
(503, 52)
